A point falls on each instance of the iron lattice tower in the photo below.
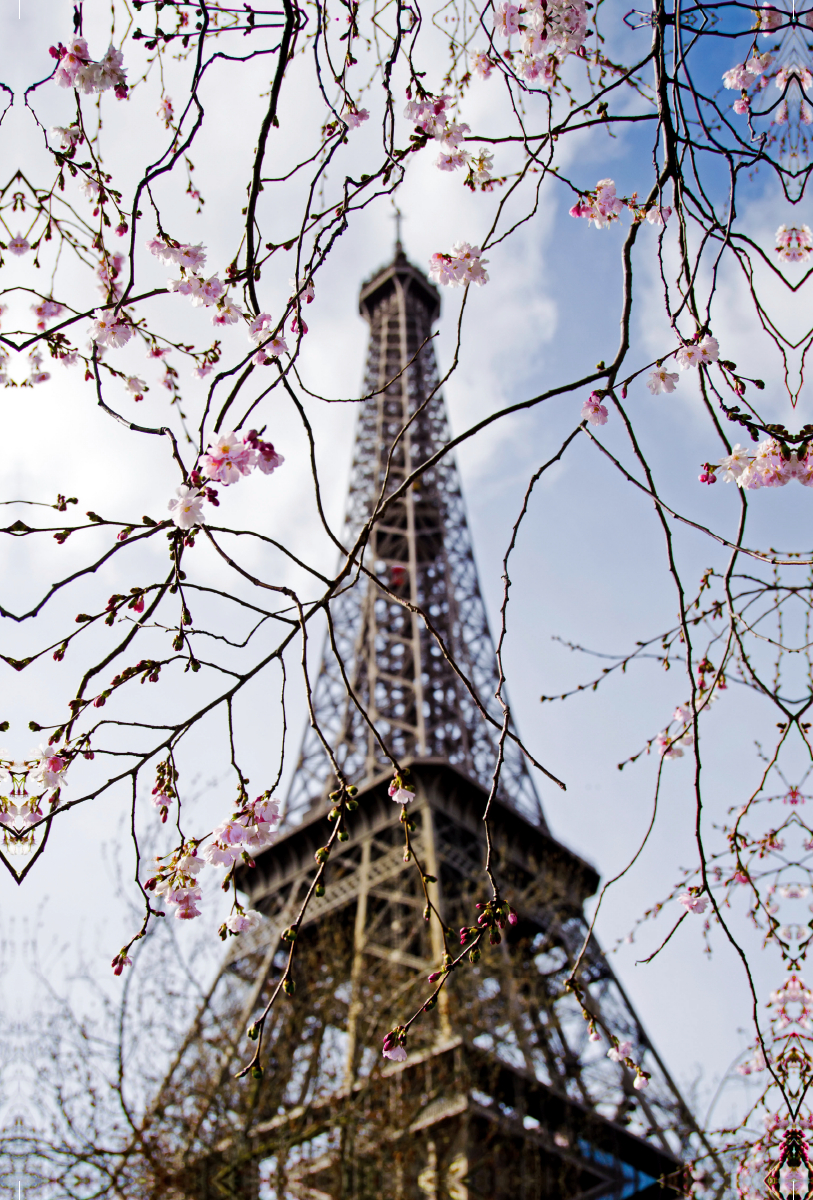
(421, 549)
(503, 1093)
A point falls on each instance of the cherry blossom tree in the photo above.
(110, 282)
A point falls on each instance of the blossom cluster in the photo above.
(753, 74)
(110, 328)
(431, 117)
(675, 747)
(603, 206)
(702, 352)
(248, 832)
(226, 461)
(45, 311)
(770, 465)
(693, 902)
(794, 243)
(77, 69)
(549, 29)
(212, 293)
(463, 266)
(745, 75)
(23, 785)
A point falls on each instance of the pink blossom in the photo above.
(18, 244)
(267, 458)
(442, 269)
(463, 266)
(71, 62)
(758, 63)
(399, 793)
(228, 312)
(187, 509)
(769, 19)
(192, 257)
(109, 329)
(136, 387)
(186, 909)
(693, 903)
(481, 165)
(794, 243)
(305, 293)
(450, 162)
(45, 310)
(429, 115)
(270, 350)
(738, 78)
(658, 215)
(534, 41)
(396, 1053)
(619, 1052)
(69, 135)
(593, 410)
(111, 73)
(265, 809)
(661, 380)
(705, 352)
(230, 833)
(219, 855)
(481, 64)
(506, 19)
(260, 326)
(242, 922)
(228, 459)
(742, 106)
(453, 134)
(161, 249)
(353, 118)
(640, 1082)
(606, 205)
(208, 292)
(165, 111)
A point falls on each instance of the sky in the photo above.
(589, 566)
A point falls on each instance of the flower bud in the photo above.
(289, 987)
(319, 890)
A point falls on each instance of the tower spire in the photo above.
(399, 249)
(397, 643)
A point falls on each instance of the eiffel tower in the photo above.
(503, 1093)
